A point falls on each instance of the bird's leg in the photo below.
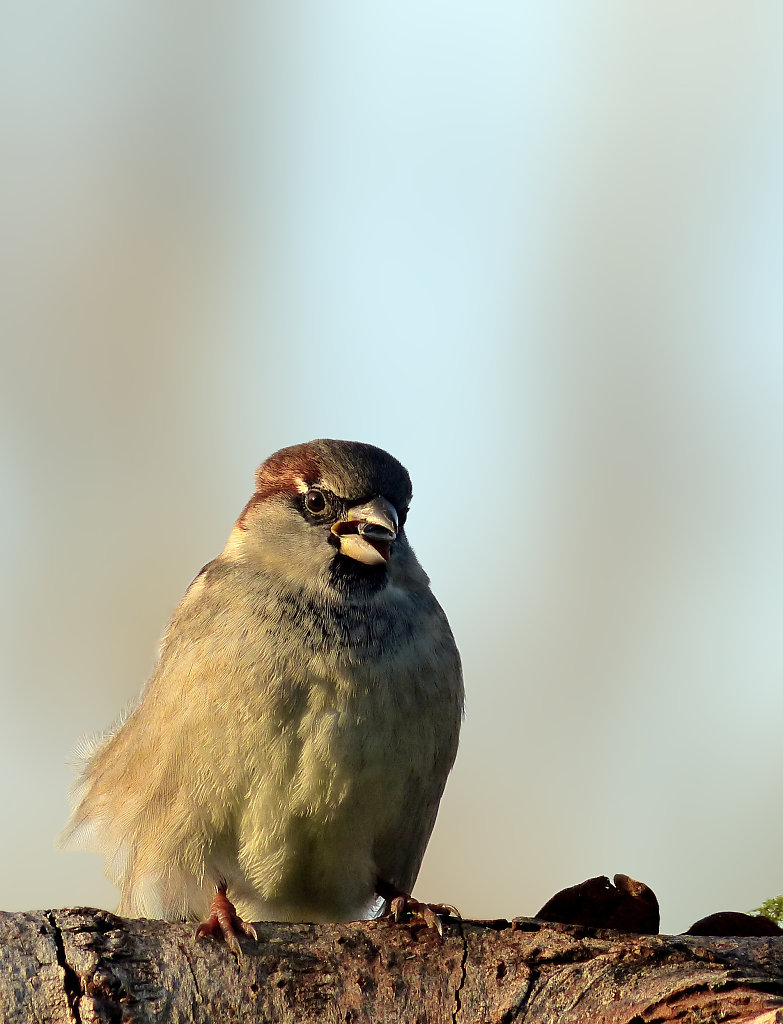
(223, 920)
(399, 903)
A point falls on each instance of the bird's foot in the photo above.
(428, 914)
(402, 904)
(224, 921)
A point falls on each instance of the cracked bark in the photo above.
(90, 967)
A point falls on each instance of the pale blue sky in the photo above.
(534, 251)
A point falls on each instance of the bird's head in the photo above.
(328, 512)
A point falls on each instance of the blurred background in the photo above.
(534, 250)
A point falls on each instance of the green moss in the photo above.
(772, 909)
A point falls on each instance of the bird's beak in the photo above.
(367, 532)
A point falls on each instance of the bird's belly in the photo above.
(308, 836)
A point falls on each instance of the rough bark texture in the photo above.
(87, 966)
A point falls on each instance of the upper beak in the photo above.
(367, 532)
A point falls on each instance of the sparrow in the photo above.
(286, 759)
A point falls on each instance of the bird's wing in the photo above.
(152, 798)
(400, 849)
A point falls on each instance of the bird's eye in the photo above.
(315, 501)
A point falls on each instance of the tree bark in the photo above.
(83, 966)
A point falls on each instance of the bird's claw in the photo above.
(224, 921)
(427, 913)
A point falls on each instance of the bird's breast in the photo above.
(351, 632)
(337, 713)
(354, 701)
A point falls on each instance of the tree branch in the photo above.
(89, 967)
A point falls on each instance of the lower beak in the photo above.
(368, 532)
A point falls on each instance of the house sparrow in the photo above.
(292, 745)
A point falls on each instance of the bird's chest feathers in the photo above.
(348, 736)
(358, 709)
